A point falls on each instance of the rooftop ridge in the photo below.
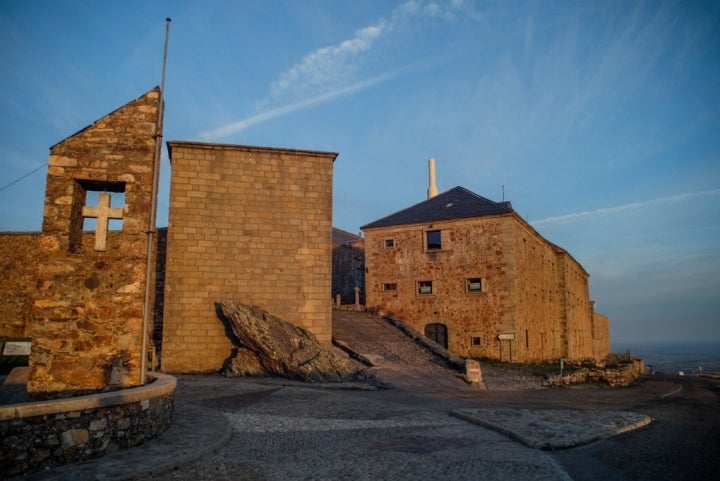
(456, 203)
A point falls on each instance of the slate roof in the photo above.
(340, 236)
(456, 203)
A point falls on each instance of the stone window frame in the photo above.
(389, 243)
(469, 280)
(426, 240)
(390, 287)
(475, 341)
(81, 187)
(424, 284)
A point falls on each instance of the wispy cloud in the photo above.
(568, 218)
(333, 71)
(326, 66)
(243, 124)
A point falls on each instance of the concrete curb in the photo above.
(164, 384)
(551, 429)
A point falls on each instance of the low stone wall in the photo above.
(50, 433)
(615, 375)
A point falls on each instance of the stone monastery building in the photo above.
(471, 274)
(102, 304)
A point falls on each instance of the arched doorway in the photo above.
(438, 333)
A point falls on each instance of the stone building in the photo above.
(348, 266)
(252, 224)
(471, 274)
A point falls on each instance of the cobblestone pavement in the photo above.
(554, 428)
(291, 432)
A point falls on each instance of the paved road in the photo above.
(682, 442)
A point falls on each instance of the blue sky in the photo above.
(601, 119)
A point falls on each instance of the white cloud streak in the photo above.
(330, 72)
(674, 199)
(240, 125)
(326, 66)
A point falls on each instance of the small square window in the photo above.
(475, 340)
(390, 286)
(433, 240)
(389, 243)
(425, 287)
(473, 284)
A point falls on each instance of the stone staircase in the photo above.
(395, 358)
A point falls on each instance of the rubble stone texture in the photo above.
(17, 283)
(87, 311)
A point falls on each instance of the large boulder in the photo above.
(267, 344)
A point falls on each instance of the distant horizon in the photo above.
(646, 342)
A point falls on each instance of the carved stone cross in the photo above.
(102, 213)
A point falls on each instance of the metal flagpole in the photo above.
(152, 228)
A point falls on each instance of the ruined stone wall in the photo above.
(471, 249)
(88, 308)
(618, 374)
(250, 224)
(18, 252)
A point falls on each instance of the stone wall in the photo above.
(470, 249)
(87, 314)
(577, 308)
(348, 265)
(159, 297)
(250, 224)
(539, 297)
(33, 436)
(17, 282)
(601, 336)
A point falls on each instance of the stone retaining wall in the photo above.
(50, 433)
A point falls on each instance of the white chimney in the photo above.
(432, 186)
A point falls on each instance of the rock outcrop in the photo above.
(268, 345)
